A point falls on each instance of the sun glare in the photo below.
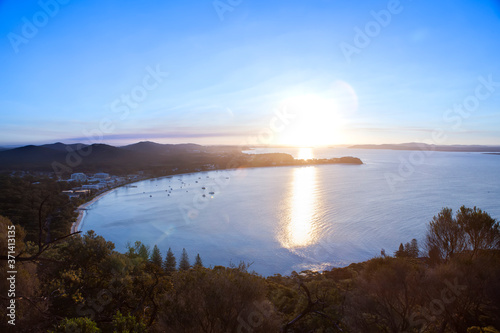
(305, 153)
(318, 120)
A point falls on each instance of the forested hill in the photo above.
(154, 158)
(102, 157)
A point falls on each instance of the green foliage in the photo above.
(170, 263)
(31, 201)
(385, 295)
(400, 252)
(479, 229)
(81, 325)
(127, 324)
(472, 231)
(198, 262)
(84, 277)
(444, 234)
(184, 262)
(219, 300)
(139, 250)
(156, 258)
(409, 250)
(477, 329)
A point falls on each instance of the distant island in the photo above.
(428, 147)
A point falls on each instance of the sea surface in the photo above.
(284, 219)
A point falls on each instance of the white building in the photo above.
(93, 187)
(81, 177)
(101, 175)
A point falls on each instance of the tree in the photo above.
(480, 230)
(170, 263)
(400, 253)
(386, 296)
(444, 234)
(434, 256)
(217, 300)
(144, 252)
(198, 262)
(184, 263)
(471, 230)
(139, 250)
(81, 324)
(156, 258)
(127, 323)
(413, 250)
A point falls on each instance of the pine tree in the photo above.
(414, 251)
(144, 252)
(198, 262)
(184, 264)
(170, 262)
(139, 250)
(401, 252)
(407, 250)
(156, 258)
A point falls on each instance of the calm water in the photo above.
(294, 218)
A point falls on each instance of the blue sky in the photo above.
(341, 76)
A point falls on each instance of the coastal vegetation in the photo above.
(81, 284)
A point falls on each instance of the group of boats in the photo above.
(183, 183)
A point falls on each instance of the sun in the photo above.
(316, 121)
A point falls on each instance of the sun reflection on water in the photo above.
(300, 229)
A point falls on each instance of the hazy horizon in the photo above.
(242, 144)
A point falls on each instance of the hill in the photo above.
(102, 157)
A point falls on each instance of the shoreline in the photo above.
(81, 210)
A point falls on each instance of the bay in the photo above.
(282, 219)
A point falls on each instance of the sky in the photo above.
(306, 73)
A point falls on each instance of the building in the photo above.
(101, 175)
(93, 187)
(82, 192)
(81, 177)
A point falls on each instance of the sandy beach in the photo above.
(81, 210)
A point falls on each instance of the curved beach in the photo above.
(82, 208)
